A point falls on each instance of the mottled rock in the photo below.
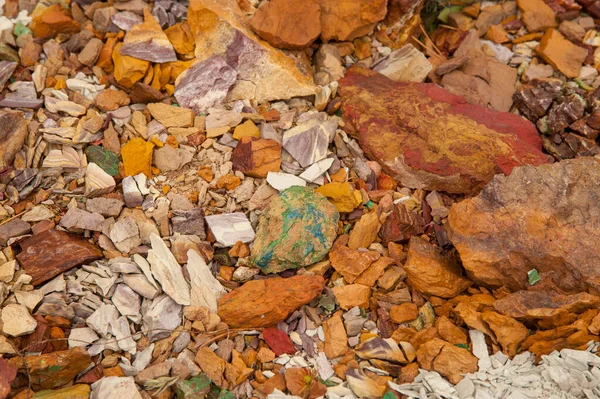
(13, 130)
(342, 195)
(112, 386)
(52, 252)
(263, 303)
(428, 156)
(348, 19)
(297, 229)
(52, 21)
(110, 99)
(502, 234)
(407, 64)
(291, 25)
(561, 53)
(535, 98)
(14, 228)
(308, 141)
(350, 263)
(256, 157)
(401, 225)
(540, 305)
(148, 42)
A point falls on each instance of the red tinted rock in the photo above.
(401, 224)
(526, 305)
(52, 21)
(257, 157)
(8, 372)
(426, 137)
(52, 252)
(278, 341)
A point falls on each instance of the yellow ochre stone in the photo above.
(137, 157)
(342, 195)
(247, 128)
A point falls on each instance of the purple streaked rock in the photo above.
(126, 20)
(148, 42)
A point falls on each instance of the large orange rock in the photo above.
(545, 218)
(539, 305)
(288, 24)
(343, 20)
(52, 21)
(509, 332)
(350, 263)
(537, 15)
(447, 359)
(263, 303)
(426, 137)
(561, 53)
(127, 70)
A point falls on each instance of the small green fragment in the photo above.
(363, 313)
(389, 395)
(21, 29)
(464, 346)
(533, 276)
(106, 159)
(339, 113)
(583, 85)
(347, 229)
(328, 383)
(443, 16)
(370, 204)
(327, 303)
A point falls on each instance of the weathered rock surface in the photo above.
(297, 229)
(256, 157)
(148, 42)
(13, 129)
(52, 252)
(544, 218)
(343, 20)
(565, 56)
(263, 303)
(427, 138)
(532, 305)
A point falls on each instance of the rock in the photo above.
(79, 391)
(131, 192)
(97, 181)
(342, 195)
(148, 42)
(153, 372)
(557, 231)
(82, 337)
(247, 128)
(226, 46)
(350, 263)
(196, 387)
(263, 303)
(52, 21)
(90, 53)
(279, 342)
(537, 15)
(104, 158)
(222, 374)
(206, 289)
(14, 228)
(16, 320)
(181, 38)
(125, 234)
(509, 332)
(230, 228)
(6, 70)
(449, 332)
(168, 272)
(52, 370)
(110, 99)
(407, 64)
(526, 305)
(12, 135)
(404, 313)
(273, 21)
(256, 157)
(308, 141)
(561, 53)
(168, 158)
(162, 317)
(364, 232)
(107, 207)
(336, 340)
(77, 220)
(374, 106)
(127, 70)
(283, 181)
(189, 222)
(401, 225)
(296, 230)
(108, 387)
(137, 157)
(51, 252)
(572, 30)
(363, 386)
(349, 296)
(170, 116)
(343, 20)
(126, 20)
(432, 272)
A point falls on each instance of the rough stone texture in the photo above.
(52, 252)
(563, 55)
(297, 229)
(13, 130)
(509, 332)
(428, 138)
(350, 263)
(343, 20)
(447, 359)
(52, 21)
(537, 15)
(532, 305)
(148, 42)
(263, 303)
(432, 272)
(256, 157)
(286, 24)
(407, 64)
(264, 73)
(14, 228)
(544, 217)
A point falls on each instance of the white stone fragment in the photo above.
(480, 349)
(206, 289)
(82, 337)
(17, 321)
(115, 387)
(167, 271)
(281, 181)
(316, 170)
(229, 228)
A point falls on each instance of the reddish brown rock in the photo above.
(262, 303)
(563, 55)
(256, 157)
(278, 341)
(288, 24)
(401, 224)
(537, 15)
(13, 131)
(545, 218)
(509, 332)
(536, 305)
(343, 20)
(404, 313)
(110, 99)
(336, 340)
(427, 138)
(447, 359)
(52, 21)
(52, 252)
(433, 272)
(350, 263)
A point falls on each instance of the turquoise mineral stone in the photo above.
(106, 159)
(296, 230)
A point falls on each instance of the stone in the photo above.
(82, 337)
(14, 228)
(16, 320)
(449, 332)
(328, 60)
(181, 38)
(167, 271)
(272, 21)
(206, 289)
(79, 391)
(137, 157)
(343, 20)
(572, 30)
(105, 159)
(256, 157)
(537, 15)
(406, 64)
(561, 53)
(283, 181)
(222, 374)
(432, 272)
(308, 141)
(404, 313)
(161, 317)
(78, 220)
(296, 230)
(229, 228)
(52, 21)
(556, 232)
(375, 110)
(195, 388)
(13, 131)
(127, 70)
(336, 340)
(363, 386)
(107, 207)
(6, 70)
(279, 342)
(90, 53)
(351, 295)
(247, 128)
(53, 370)
(108, 387)
(52, 252)
(125, 234)
(364, 232)
(131, 192)
(351, 263)
(189, 222)
(7, 271)
(264, 303)
(509, 332)
(148, 42)
(97, 181)
(126, 20)
(531, 305)
(170, 116)
(259, 72)
(342, 195)
(167, 158)
(110, 100)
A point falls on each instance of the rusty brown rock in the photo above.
(537, 15)
(52, 252)
(447, 359)
(110, 99)
(509, 332)
(532, 305)
(563, 55)
(256, 157)
(350, 263)
(404, 313)
(502, 234)
(351, 295)
(13, 131)
(336, 340)
(432, 272)
(343, 20)
(401, 224)
(52, 21)
(263, 303)
(450, 332)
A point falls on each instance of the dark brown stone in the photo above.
(14, 228)
(534, 99)
(532, 305)
(401, 224)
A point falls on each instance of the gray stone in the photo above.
(168, 158)
(77, 219)
(14, 228)
(107, 207)
(308, 141)
(189, 222)
(161, 318)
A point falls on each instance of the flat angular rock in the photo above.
(532, 305)
(343, 20)
(170, 116)
(376, 109)
(229, 228)
(502, 234)
(282, 181)
(13, 130)
(264, 303)
(167, 271)
(14, 228)
(407, 64)
(17, 321)
(111, 387)
(189, 222)
(107, 207)
(148, 42)
(206, 289)
(563, 55)
(52, 252)
(77, 220)
(168, 158)
(162, 317)
(537, 15)
(308, 141)
(350, 263)
(97, 181)
(256, 157)
(296, 230)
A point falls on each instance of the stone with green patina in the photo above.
(296, 230)
(196, 387)
(106, 159)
